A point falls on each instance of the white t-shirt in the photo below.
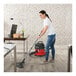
(48, 23)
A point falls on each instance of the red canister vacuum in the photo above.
(39, 49)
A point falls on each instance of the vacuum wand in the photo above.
(34, 43)
(21, 64)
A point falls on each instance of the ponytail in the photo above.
(48, 17)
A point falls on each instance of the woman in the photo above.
(47, 26)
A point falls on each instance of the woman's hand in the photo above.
(43, 32)
(38, 37)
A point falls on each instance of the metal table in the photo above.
(19, 39)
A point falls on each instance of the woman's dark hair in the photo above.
(44, 12)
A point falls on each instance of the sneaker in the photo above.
(52, 61)
(44, 62)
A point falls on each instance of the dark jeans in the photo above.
(50, 44)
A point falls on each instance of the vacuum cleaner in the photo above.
(39, 49)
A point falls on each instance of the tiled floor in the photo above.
(34, 64)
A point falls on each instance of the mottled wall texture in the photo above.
(27, 16)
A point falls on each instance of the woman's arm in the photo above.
(43, 31)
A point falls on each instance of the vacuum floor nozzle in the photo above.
(21, 64)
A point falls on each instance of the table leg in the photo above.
(15, 59)
(27, 45)
(24, 48)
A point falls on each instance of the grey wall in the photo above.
(26, 16)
